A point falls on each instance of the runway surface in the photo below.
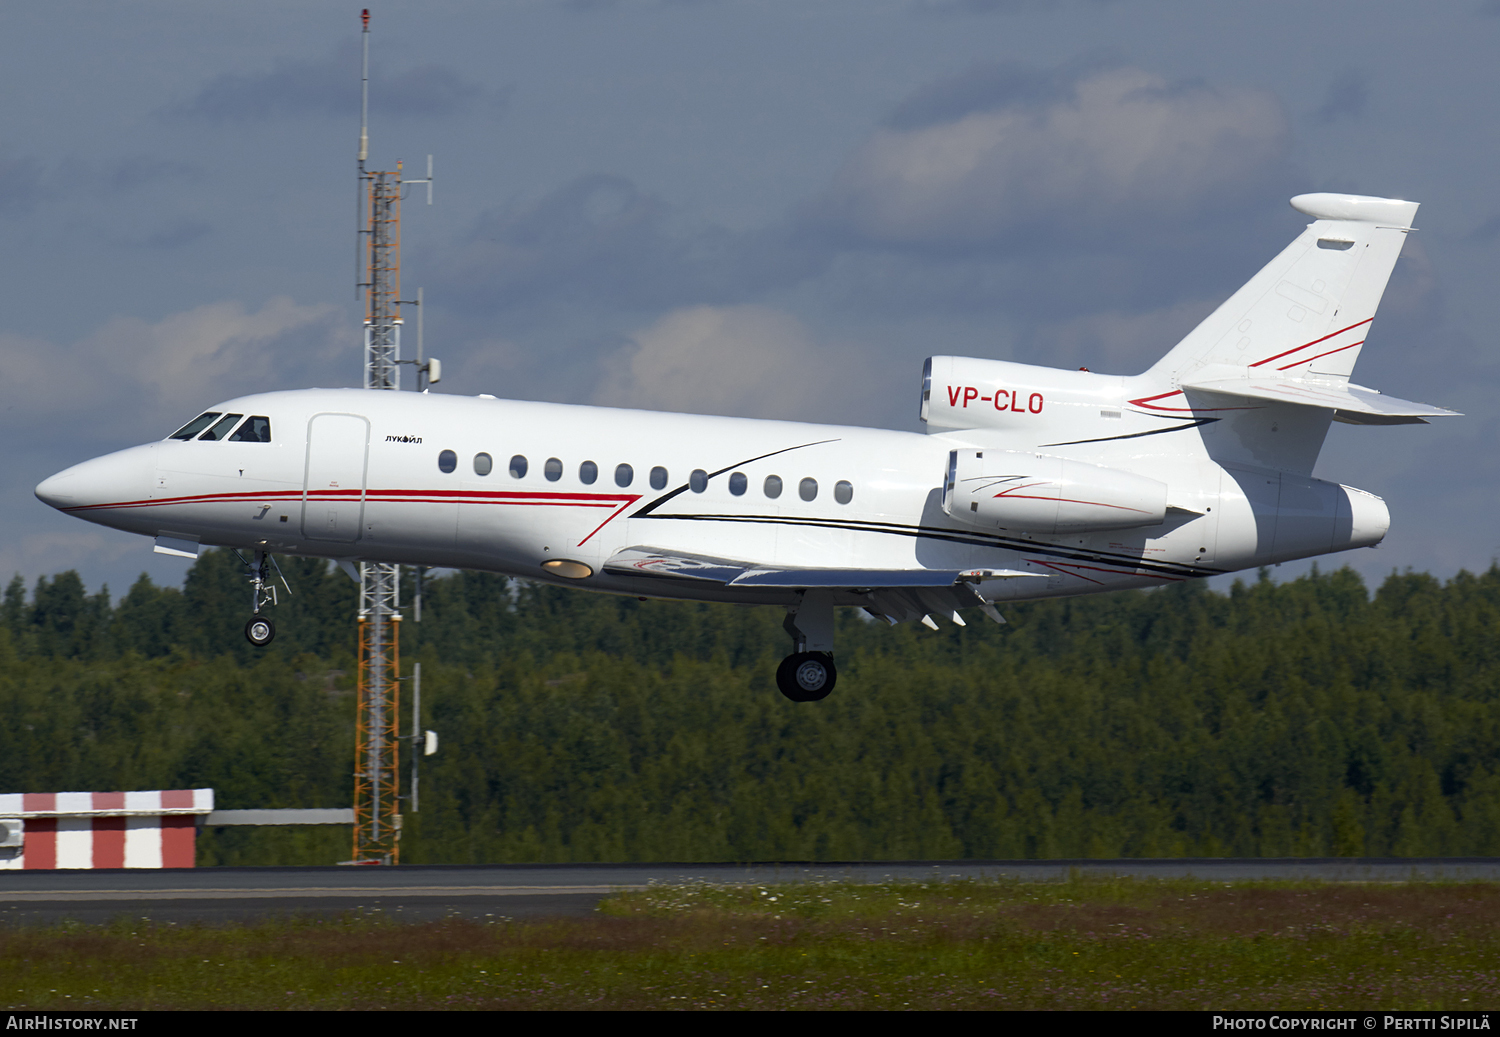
(530, 891)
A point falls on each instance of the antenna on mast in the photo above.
(377, 810)
(364, 92)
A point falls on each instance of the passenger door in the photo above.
(333, 489)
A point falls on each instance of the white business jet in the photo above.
(1030, 482)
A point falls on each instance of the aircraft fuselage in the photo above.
(508, 486)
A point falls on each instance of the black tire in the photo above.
(259, 631)
(806, 676)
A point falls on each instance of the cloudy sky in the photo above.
(761, 207)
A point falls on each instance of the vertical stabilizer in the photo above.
(1306, 314)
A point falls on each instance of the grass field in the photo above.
(1086, 943)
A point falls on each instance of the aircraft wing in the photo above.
(895, 595)
(1353, 404)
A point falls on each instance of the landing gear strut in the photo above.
(260, 630)
(808, 674)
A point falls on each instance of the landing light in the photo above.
(568, 569)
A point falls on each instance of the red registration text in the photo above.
(1017, 401)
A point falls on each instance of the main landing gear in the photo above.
(260, 630)
(808, 674)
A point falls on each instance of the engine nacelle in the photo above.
(966, 392)
(1038, 493)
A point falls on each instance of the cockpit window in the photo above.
(256, 429)
(221, 428)
(195, 426)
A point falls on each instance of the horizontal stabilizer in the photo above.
(1350, 403)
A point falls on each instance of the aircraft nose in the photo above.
(58, 490)
(116, 478)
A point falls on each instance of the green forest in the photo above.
(1306, 718)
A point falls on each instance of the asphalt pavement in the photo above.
(532, 891)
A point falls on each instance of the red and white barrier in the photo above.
(107, 829)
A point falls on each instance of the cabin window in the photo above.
(256, 429)
(222, 427)
(738, 484)
(552, 469)
(588, 472)
(624, 474)
(843, 491)
(698, 481)
(483, 464)
(807, 489)
(447, 461)
(517, 467)
(195, 426)
(773, 486)
(658, 478)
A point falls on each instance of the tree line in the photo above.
(1305, 718)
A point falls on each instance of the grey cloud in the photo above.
(729, 360)
(1116, 152)
(1136, 275)
(1113, 342)
(138, 171)
(330, 86)
(22, 184)
(1412, 292)
(989, 85)
(998, 6)
(1119, 196)
(600, 240)
(26, 182)
(1486, 232)
(171, 367)
(592, 6)
(1348, 97)
(174, 234)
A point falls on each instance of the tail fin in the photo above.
(1307, 312)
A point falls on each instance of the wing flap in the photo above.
(649, 561)
(655, 562)
(835, 579)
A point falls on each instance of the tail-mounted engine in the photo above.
(967, 392)
(1037, 493)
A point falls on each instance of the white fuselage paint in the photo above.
(1200, 465)
(354, 475)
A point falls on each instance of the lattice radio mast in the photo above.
(377, 811)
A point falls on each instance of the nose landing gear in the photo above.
(260, 630)
(808, 674)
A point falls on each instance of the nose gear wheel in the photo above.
(259, 631)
